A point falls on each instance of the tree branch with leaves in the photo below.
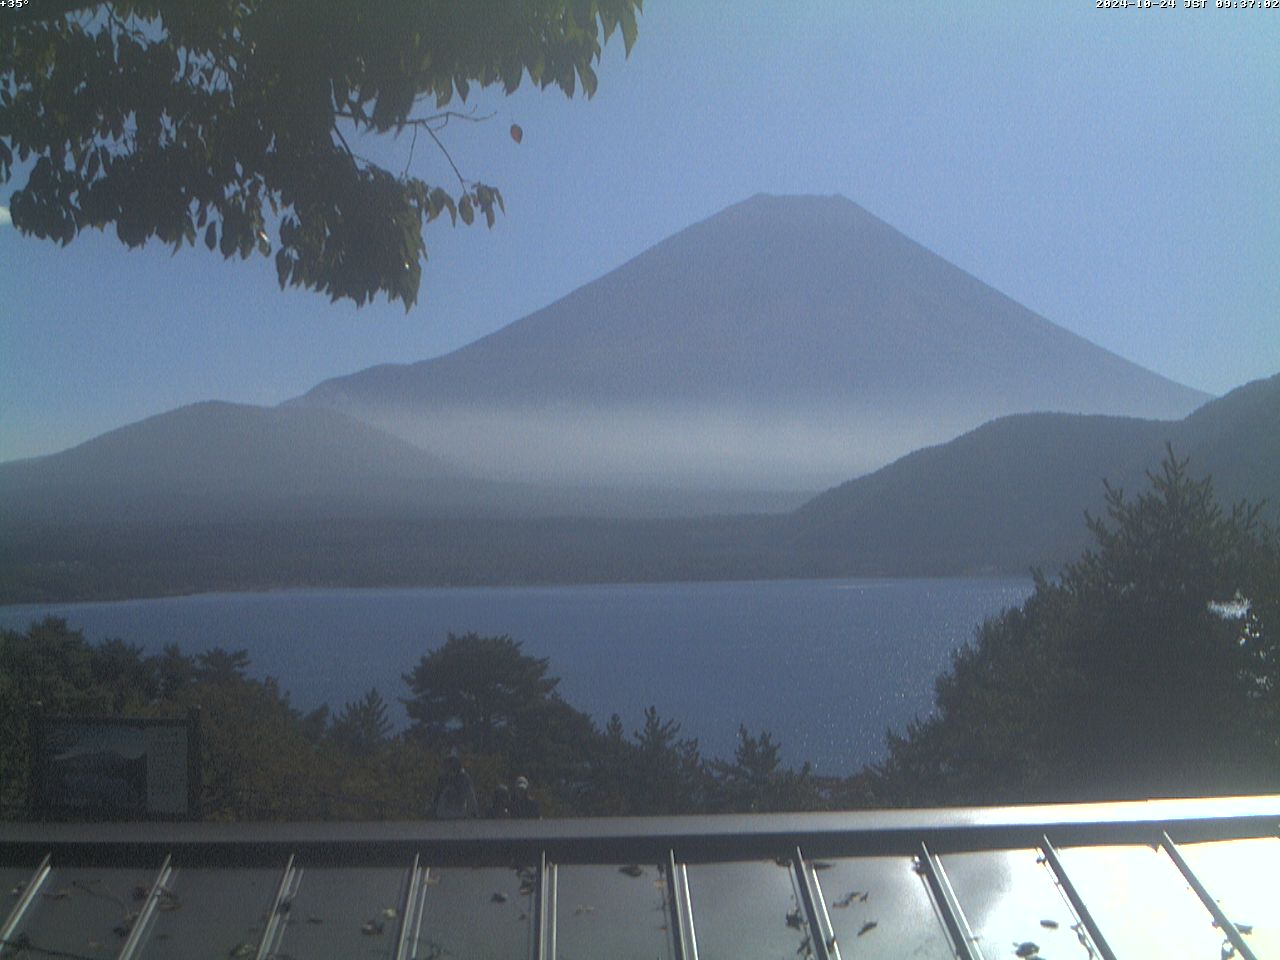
(228, 121)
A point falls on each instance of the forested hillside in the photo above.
(1011, 495)
(998, 500)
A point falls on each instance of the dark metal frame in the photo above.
(44, 806)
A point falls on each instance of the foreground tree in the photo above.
(484, 695)
(757, 782)
(362, 726)
(654, 772)
(668, 775)
(230, 120)
(261, 758)
(255, 759)
(1150, 667)
(54, 666)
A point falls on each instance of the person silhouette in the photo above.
(455, 797)
(523, 806)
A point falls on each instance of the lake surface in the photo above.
(825, 665)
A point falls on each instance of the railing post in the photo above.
(1073, 896)
(824, 944)
(1224, 923)
(545, 915)
(29, 894)
(139, 929)
(273, 930)
(952, 915)
(411, 910)
(685, 941)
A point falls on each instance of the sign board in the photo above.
(115, 768)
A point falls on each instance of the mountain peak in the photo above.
(804, 211)
(786, 340)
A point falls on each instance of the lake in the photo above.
(825, 665)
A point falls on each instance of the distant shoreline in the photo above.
(8, 605)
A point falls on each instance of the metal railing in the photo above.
(670, 842)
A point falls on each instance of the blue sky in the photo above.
(1115, 170)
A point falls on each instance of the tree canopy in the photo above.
(261, 758)
(483, 694)
(1150, 666)
(228, 121)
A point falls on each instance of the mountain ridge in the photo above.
(217, 461)
(1013, 492)
(216, 457)
(1000, 499)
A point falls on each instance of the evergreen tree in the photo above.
(667, 772)
(757, 782)
(484, 696)
(1151, 666)
(474, 691)
(362, 725)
